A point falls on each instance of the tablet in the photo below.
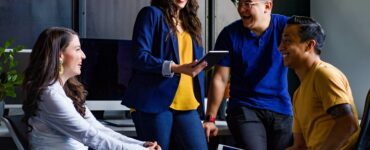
(227, 147)
(212, 58)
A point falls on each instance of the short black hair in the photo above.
(309, 29)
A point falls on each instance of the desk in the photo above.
(109, 105)
(93, 105)
(102, 105)
(223, 130)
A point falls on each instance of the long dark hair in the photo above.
(188, 16)
(43, 70)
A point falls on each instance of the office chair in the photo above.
(17, 130)
(363, 142)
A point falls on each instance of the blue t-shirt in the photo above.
(258, 75)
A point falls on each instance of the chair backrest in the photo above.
(363, 142)
(18, 130)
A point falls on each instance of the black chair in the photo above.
(363, 142)
(17, 130)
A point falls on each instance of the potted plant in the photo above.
(9, 77)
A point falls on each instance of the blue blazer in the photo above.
(148, 90)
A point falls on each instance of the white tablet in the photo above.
(226, 147)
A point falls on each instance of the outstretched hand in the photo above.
(190, 69)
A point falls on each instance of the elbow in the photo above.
(354, 127)
(352, 124)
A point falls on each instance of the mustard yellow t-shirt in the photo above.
(323, 87)
(185, 98)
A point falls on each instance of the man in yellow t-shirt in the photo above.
(325, 116)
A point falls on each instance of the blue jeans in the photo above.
(258, 129)
(171, 129)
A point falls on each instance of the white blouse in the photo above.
(57, 125)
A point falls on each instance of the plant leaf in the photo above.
(10, 78)
(18, 48)
(8, 43)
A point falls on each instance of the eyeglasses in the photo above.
(248, 4)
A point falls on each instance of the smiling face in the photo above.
(254, 12)
(181, 3)
(294, 51)
(72, 58)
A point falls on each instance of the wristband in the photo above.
(210, 118)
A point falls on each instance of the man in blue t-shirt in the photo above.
(259, 113)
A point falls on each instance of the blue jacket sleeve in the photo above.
(144, 32)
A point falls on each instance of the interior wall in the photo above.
(23, 21)
(347, 42)
(224, 18)
(109, 19)
(115, 19)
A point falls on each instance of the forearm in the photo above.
(299, 143)
(297, 148)
(215, 95)
(345, 125)
(342, 130)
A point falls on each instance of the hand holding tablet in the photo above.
(212, 58)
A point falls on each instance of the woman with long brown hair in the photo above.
(166, 87)
(54, 106)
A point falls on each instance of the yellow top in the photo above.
(323, 87)
(185, 98)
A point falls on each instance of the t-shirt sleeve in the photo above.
(331, 88)
(223, 42)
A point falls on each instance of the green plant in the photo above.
(235, 2)
(9, 77)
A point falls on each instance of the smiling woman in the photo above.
(71, 59)
(54, 108)
(166, 88)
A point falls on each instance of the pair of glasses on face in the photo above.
(248, 4)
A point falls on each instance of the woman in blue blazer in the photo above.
(166, 88)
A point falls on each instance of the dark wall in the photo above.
(23, 20)
(292, 7)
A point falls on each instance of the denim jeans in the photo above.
(258, 129)
(171, 129)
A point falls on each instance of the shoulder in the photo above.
(326, 72)
(232, 29)
(279, 20)
(150, 11)
(149, 16)
(52, 91)
(234, 26)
